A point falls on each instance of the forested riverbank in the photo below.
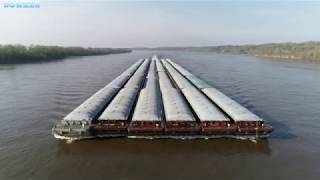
(35, 53)
(308, 51)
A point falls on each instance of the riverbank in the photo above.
(36, 53)
(306, 51)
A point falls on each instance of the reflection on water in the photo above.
(35, 96)
(165, 146)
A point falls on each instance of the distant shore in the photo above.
(36, 53)
(306, 51)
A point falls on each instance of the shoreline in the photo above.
(18, 54)
(301, 52)
(31, 61)
(271, 57)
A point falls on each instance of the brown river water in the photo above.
(33, 97)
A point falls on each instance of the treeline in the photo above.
(302, 51)
(20, 53)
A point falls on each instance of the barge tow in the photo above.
(158, 98)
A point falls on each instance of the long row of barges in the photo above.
(157, 98)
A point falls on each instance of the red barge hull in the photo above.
(253, 128)
(146, 128)
(181, 128)
(111, 127)
(217, 128)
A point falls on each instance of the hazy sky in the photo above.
(152, 24)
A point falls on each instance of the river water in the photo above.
(35, 96)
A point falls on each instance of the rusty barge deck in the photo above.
(158, 98)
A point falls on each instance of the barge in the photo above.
(147, 117)
(114, 120)
(158, 98)
(179, 117)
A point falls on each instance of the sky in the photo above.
(157, 24)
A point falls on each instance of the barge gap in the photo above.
(158, 98)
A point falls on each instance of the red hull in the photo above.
(182, 128)
(111, 127)
(253, 128)
(217, 128)
(145, 128)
